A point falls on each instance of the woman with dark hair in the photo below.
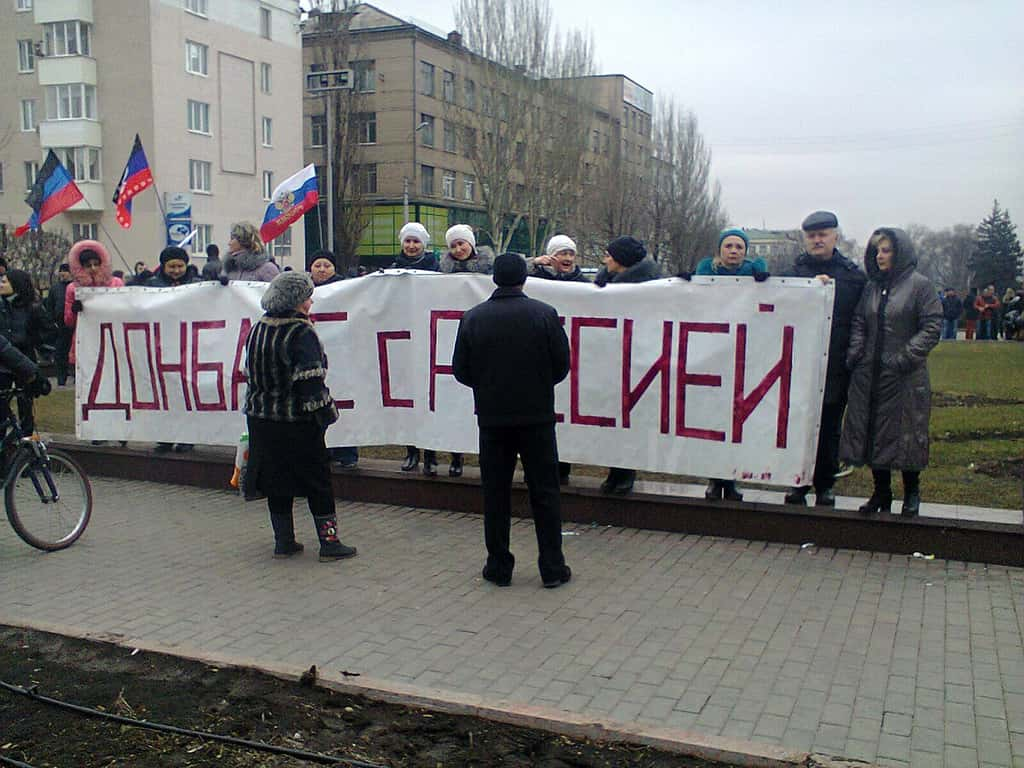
(895, 326)
(25, 324)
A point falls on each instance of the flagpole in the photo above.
(107, 233)
(320, 226)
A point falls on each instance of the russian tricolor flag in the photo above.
(53, 191)
(292, 198)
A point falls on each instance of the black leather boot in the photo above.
(880, 501)
(331, 547)
(911, 494)
(729, 491)
(430, 463)
(455, 468)
(412, 458)
(285, 544)
(714, 490)
(798, 495)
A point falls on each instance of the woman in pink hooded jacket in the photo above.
(90, 268)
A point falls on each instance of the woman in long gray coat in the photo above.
(895, 326)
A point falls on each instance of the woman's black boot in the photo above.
(911, 494)
(729, 491)
(455, 468)
(412, 458)
(881, 496)
(714, 490)
(430, 463)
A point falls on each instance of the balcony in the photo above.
(95, 197)
(57, 70)
(63, 10)
(70, 133)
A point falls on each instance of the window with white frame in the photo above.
(281, 246)
(268, 132)
(366, 127)
(67, 38)
(198, 117)
(23, 5)
(196, 58)
(364, 76)
(31, 171)
(468, 187)
(265, 22)
(198, 7)
(85, 231)
(449, 136)
(71, 101)
(26, 56)
(448, 184)
(204, 236)
(266, 75)
(199, 176)
(28, 114)
(83, 163)
(317, 130)
(268, 184)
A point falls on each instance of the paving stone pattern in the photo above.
(880, 657)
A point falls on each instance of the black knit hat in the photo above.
(172, 252)
(626, 250)
(324, 255)
(509, 270)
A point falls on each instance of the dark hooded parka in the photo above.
(895, 326)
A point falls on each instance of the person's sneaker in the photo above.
(559, 580)
(335, 551)
(501, 581)
(844, 470)
(284, 551)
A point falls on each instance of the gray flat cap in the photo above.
(820, 220)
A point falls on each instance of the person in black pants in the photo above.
(821, 259)
(54, 305)
(512, 351)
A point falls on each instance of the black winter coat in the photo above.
(512, 351)
(54, 302)
(952, 307)
(426, 260)
(27, 327)
(546, 273)
(161, 280)
(850, 282)
(644, 270)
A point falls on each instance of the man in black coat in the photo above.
(512, 351)
(821, 259)
(54, 305)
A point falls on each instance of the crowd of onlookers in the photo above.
(985, 317)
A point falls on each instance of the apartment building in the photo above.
(414, 87)
(211, 87)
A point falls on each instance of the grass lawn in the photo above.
(977, 428)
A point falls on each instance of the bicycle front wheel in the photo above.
(49, 503)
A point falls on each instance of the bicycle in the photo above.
(47, 494)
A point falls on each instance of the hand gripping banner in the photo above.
(718, 377)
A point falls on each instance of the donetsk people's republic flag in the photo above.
(136, 177)
(53, 191)
(292, 198)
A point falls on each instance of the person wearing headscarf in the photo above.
(288, 409)
(247, 258)
(897, 323)
(462, 254)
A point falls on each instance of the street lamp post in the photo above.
(405, 179)
(326, 82)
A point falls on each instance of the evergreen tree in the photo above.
(997, 258)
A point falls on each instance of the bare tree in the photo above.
(944, 255)
(39, 253)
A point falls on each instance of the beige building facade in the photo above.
(211, 87)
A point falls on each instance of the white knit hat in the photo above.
(416, 231)
(460, 232)
(560, 243)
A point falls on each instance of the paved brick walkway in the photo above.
(883, 658)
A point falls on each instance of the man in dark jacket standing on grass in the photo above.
(821, 259)
(512, 351)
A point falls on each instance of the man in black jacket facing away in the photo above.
(512, 351)
(822, 260)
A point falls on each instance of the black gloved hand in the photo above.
(761, 275)
(38, 387)
(223, 279)
(76, 306)
(685, 275)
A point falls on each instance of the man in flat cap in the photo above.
(512, 351)
(821, 259)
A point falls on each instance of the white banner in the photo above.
(718, 377)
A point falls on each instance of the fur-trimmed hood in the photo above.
(78, 273)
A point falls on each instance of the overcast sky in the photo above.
(888, 113)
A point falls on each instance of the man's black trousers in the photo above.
(827, 463)
(499, 447)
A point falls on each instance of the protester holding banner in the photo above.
(247, 259)
(731, 259)
(558, 262)
(90, 268)
(288, 407)
(463, 255)
(24, 323)
(415, 239)
(625, 261)
(896, 324)
(323, 269)
(174, 269)
(822, 259)
(512, 351)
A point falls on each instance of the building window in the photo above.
(26, 56)
(426, 180)
(426, 130)
(196, 58)
(23, 5)
(448, 184)
(28, 114)
(198, 7)
(67, 38)
(83, 163)
(281, 246)
(199, 176)
(366, 127)
(364, 76)
(426, 78)
(503, 106)
(198, 117)
(265, 23)
(204, 236)
(317, 130)
(448, 86)
(321, 182)
(268, 132)
(88, 231)
(70, 102)
(468, 188)
(268, 185)
(265, 77)
(469, 90)
(367, 175)
(487, 101)
(468, 141)
(31, 171)
(449, 136)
